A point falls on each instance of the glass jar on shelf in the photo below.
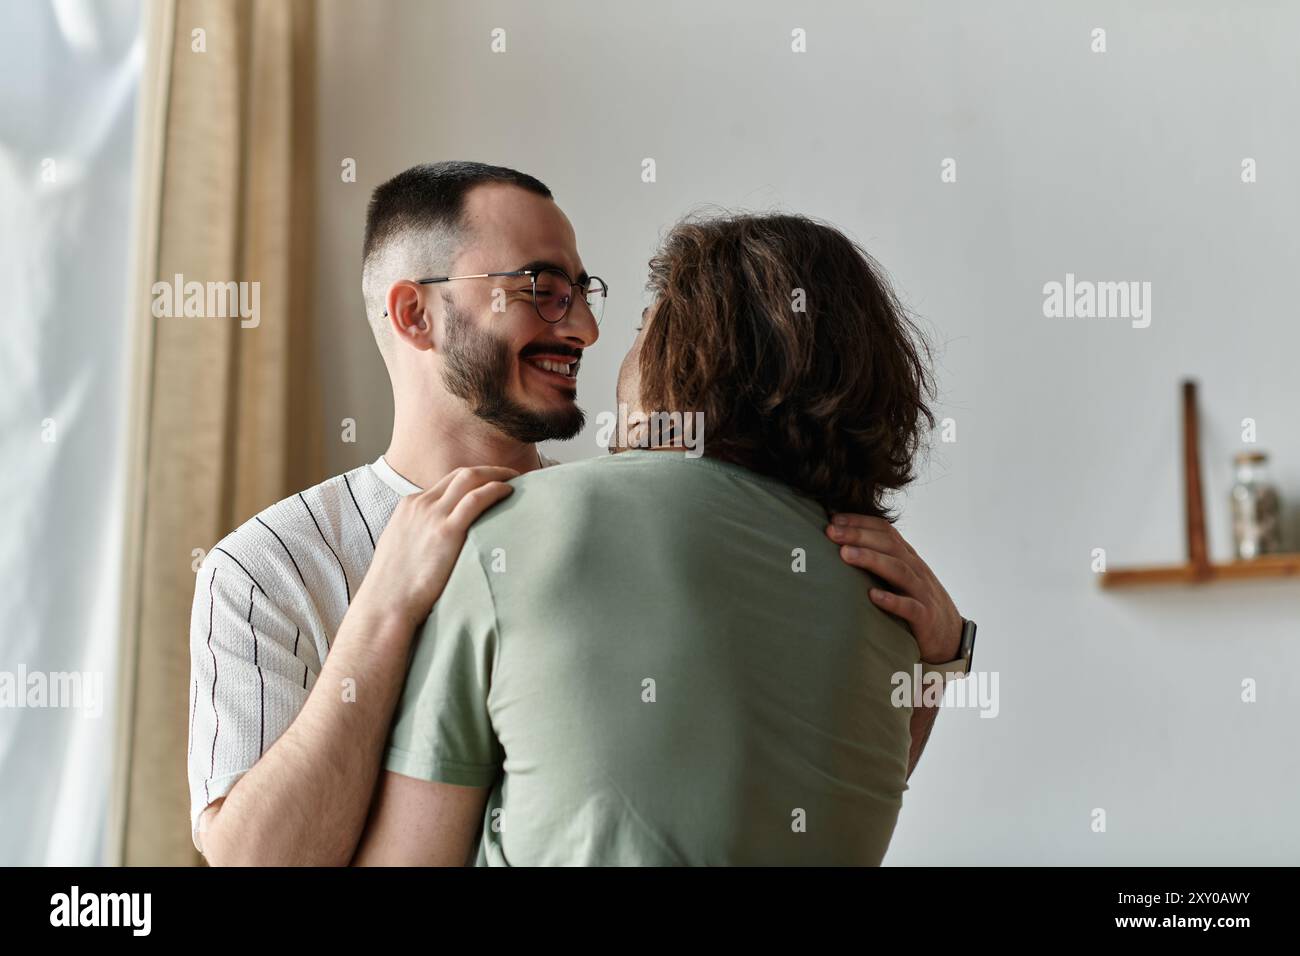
(1256, 510)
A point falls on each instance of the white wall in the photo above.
(1116, 166)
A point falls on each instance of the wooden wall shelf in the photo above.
(1266, 566)
(1198, 568)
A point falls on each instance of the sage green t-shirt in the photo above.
(658, 660)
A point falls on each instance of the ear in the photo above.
(408, 314)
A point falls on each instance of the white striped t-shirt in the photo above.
(268, 601)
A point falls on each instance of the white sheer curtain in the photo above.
(70, 70)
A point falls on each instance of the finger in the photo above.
(495, 472)
(888, 542)
(894, 570)
(439, 487)
(860, 521)
(476, 502)
(909, 609)
(467, 479)
(871, 523)
(867, 538)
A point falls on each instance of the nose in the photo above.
(579, 326)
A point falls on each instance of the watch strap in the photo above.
(959, 667)
(948, 671)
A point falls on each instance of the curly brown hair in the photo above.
(830, 399)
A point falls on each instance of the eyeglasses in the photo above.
(552, 291)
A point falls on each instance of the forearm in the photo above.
(921, 724)
(875, 545)
(305, 801)
(422, 823)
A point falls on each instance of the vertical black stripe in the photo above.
(286, 550)
(212, 766)
(261, 681)
(194, 706)
(251, 630)
(359, 511)
(297, 633)
(346, 588)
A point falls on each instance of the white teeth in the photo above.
(564, 368)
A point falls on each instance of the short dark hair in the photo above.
(431, 196)
(787, 337)
(429, 199)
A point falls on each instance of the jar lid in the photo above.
(1244, 457)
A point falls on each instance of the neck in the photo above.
(426, 446)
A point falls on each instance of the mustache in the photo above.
(556, 349)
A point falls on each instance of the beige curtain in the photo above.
(224, 414)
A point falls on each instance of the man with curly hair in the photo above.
(657, 658)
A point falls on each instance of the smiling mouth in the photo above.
(558, 367)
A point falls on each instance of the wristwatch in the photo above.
(960, 666)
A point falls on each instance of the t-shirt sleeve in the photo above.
(443, 730)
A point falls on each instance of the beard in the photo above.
(477, 370)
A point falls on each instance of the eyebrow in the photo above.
(538, 264)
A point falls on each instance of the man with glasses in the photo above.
(303, 618)
(302, 621)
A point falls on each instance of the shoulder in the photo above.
(566, 495)
(273, 549)
(629, 467)
(551, 485)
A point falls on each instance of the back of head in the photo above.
(785, 335)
